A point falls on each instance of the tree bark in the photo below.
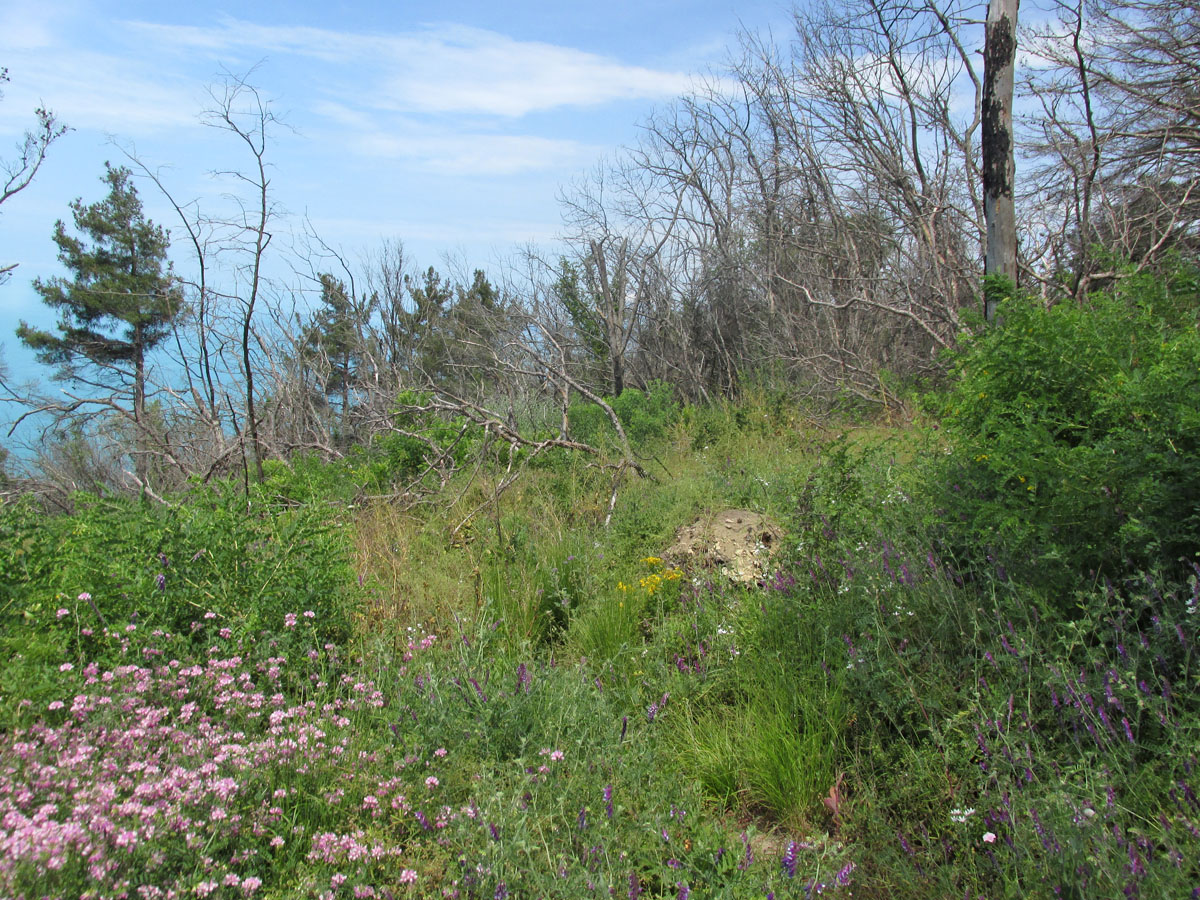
(999, 56)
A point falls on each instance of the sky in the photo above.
(452, 126)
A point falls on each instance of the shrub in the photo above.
(645, 416)
(1075, 437)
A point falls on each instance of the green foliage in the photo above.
(418, 439)
(117, 566)
(1074, 436)
(121, 282)
(645, 416)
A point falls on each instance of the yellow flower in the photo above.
(652, 561)
(673, 574)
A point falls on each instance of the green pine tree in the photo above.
(117, 306)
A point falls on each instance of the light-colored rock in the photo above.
(738, 543)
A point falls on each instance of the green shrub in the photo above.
(645, 416)
(1075, 439)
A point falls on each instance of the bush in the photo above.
(645, 416)
(1074, 439)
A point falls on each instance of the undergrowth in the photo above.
(945, 683)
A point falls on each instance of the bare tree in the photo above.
(240, 109)
(19, 172)
(1115, 139)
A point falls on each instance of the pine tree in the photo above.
(118, 305)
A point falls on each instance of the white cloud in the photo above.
(95, 90)
(443, 69)
(477, 154)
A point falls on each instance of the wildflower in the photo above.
(501, 892)
(440, 752)
(843, 876)
(684, 893)
(431, 782)
(608, 807)
(989, 837)
(161, 580)
(408, 876)
(251, 884)
(85, 597)
(63, 612)
(789, 860)
(289, 620)
(65, 667)
(309, 614)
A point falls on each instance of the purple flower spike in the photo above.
(789, 860)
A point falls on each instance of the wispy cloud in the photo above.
(443, 68)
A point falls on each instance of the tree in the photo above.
(118, 305)
(333, 345)
(18, 173)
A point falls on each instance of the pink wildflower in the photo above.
(289, 620)
(439, 752)
(251, 884)
(65, 667)
(431, 782)
(309, 614)
(85, 596)
(63, 612)
(408, 876)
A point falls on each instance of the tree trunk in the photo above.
(999, 55)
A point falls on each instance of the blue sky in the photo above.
(448, 125)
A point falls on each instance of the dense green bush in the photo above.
(1075, 438)
(645, 416)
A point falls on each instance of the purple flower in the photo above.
(789, 860)
(684, 893)
(583, 818)
(608, 807)
(161, 579)
(843, 876)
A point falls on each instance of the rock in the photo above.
(738, 543)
